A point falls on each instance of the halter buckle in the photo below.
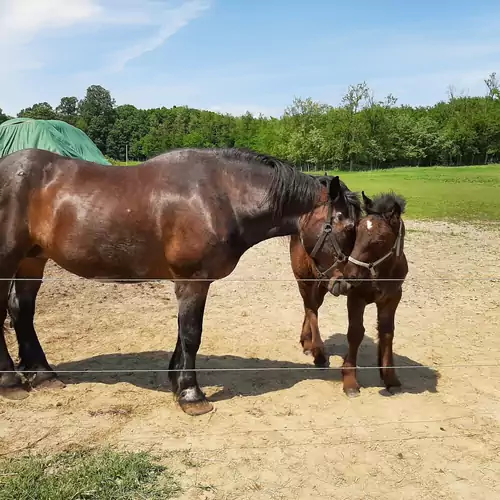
(327, 228)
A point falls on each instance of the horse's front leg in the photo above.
(191, 298)
(310, 338)
(386, 311)
(22, 302)
(355, 333)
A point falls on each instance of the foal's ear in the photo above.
(395, 213)
(366, 201)
(334, 188)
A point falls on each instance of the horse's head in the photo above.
(329, 232)
(379, 242)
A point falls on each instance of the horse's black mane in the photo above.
(385, 203)
(288, 183)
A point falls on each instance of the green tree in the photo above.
(3, 117)
(493, 86)
(68, 110)
(97, 115)
(130, 125)
(353, 101)
(39, 111)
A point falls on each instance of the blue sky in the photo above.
(238, 55)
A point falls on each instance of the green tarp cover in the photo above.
(52, 135)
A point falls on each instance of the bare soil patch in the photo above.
(284, 434)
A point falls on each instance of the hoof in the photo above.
(14, 393)
(321, 361)
(193, 402)
(37, 378)
(352, 392)
(196, 408)
(12, 387)
(51, 384)
(394, 389)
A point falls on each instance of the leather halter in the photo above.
(328, 233)
(395, 250)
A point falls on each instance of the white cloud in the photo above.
(22, 20)
(170, 21)
(26, 24)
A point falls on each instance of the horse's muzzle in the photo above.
(340, 287)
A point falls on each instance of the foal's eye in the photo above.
(339, 217)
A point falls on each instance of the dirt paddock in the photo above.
(284, 434)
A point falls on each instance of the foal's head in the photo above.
(329, 232)
(379, 241)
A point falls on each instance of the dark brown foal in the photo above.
(374, 273)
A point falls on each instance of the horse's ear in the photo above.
(334, 188)
(398, 209)
(395, 213)
(367, 201)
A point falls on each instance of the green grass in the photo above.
(123, 163)
(86, 475)
(440, 193)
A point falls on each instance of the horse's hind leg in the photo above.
(11, 383)
(22, 303)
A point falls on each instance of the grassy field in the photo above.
(439, 193)
(102, 475)
(442, 193)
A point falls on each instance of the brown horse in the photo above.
(305, 269)
(374, 273)
(187, 216)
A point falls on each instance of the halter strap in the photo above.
(328, 233)
(395, 250)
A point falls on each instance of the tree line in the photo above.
(359, 133)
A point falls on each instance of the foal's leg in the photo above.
(22, 301)
(386, 312)
(310, 338)
(355, 333)
(191, 298)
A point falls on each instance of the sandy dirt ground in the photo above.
(284, 434)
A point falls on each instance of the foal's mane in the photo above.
(385, 203)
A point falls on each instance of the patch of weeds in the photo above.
(86, 475)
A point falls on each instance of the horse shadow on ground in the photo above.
(278, 375)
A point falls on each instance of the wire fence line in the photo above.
(264, 369)
(493, 279)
